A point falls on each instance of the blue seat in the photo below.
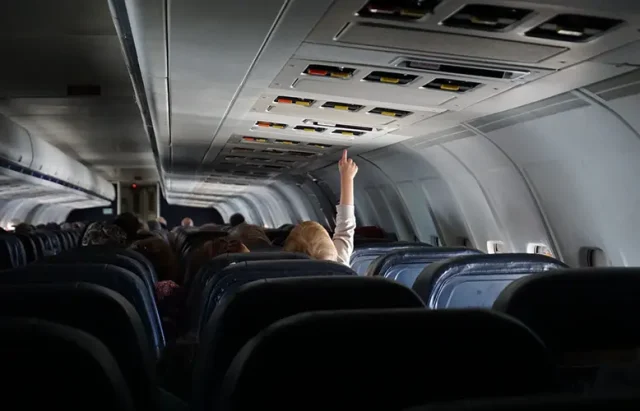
(364, 254)
(234, 276)
(477, 280)
(210, 274)
(58, 367)
(106, 255)
(240, 316)
(385, 360)
(114, 278)
(98, 311)
(405, 265)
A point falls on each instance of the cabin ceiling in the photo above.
(241, 92)
(64, 79)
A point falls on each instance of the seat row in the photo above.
(18, 249)
(346, 342)
(448, 277)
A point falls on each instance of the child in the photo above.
(311, 238)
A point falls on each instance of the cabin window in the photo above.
(593, 257)
(495, 247)
(537, 248)
(435, 241)
(466, 243)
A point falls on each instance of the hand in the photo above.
(348, 169)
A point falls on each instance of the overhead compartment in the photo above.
(547, 34)
(47, 163)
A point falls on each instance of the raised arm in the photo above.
(345, 219)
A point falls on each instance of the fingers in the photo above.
(344, 155)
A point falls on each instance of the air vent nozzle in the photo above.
(471, 70)
(573, 28)
(390, 78)
(343, 73)
(486, 17)
(390, 112)
(454, 86)
(403, 10)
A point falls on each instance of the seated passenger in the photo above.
(162, 222)
(186, 222)
(24, 228)
(130, 224)
(311, 238)
(203, 254)
(251, 235)
(160, 254)
(102, 233)
(236, 219)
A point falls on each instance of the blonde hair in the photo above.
(311, 238)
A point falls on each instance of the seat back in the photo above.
(52, 365)
(335, 358)
(477, 280)
(98, 311)
(582, 314)
(114, 278)
(210, 274)
(104, 255)
(12, 252)
(405, 265)
(244, 272)
(540, 403)
(364, 253)
(29, 245)
(240, 316)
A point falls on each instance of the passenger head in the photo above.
(236, 219)
(312, 239)
(207, 251)
(154, 225)
(186, 222)
(53, 226)
(129, 223)
(24, 228)
(161, 256)
(251, 235)
(101, 233)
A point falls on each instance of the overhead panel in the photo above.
(336, 110)
(532, 33)
(404, 81)
(249, 157)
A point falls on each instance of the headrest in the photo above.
(12, 252)
(336, 358)
(45, 362)
(210, 274)
(242, 315)
(476, 280)
(98, 311)
(406, 264)
(364, 254)
(244, 272)
(114, 278)
(105, 257)
(564, 402)
(579, 309)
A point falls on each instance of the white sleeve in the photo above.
(344, 233)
